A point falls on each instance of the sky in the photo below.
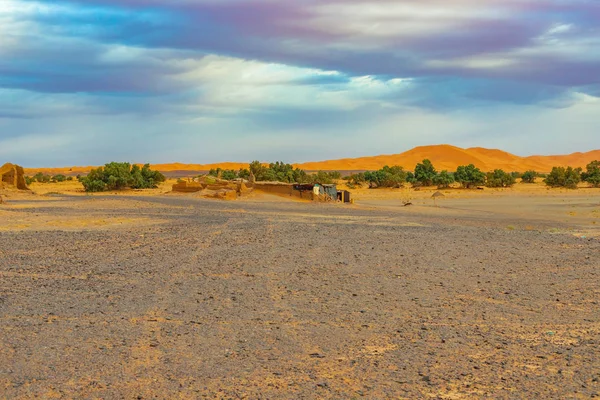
(85, 82)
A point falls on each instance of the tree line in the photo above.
(45, 178)
(115, 176)
(276, 172)
(469, 176)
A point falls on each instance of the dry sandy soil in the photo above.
(482, 295)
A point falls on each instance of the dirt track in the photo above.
(250, 300)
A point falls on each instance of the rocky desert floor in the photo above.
(167, 297)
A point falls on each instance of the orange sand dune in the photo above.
(450, 157)
(443, 157)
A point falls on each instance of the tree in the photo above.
(564, 177)
(257, 169)
(529, 176)
(592, 174)
(137, 179)
(229, 175)
(469, 176)
(244, 173)
(214, 172)
(425, 173)
(516, 175)
(323, 177)
(499, 179)
(357, 179)
(117, 176)
(443, 180)
(225, 174)
(152, 178)
(386, 177)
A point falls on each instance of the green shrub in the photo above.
(95, 185)
(357, 179)
(592, 174)
(425, 173)
(278, 172)
(117, 176)
(244, 173)
(324, 177)
(444, 179)
(229, 175)
(529, 176)
(386, 177)
(564, 177)
(42, 178)
(29, 180)
(59, 178)
(499, 179)
(225, 174)
(469, 176)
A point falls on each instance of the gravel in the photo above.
(295, 300)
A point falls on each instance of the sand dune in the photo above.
(450, 157)
(443, 157)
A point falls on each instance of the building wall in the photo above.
(282, 190)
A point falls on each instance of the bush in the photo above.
(29, 180)
(42, 178)
(386, 177)
(95, 185)
(444, 179)
(324, 177)
(69, 178)
(278, 172)
(357, 179)
(499, 179)
(244, 173)
(425, 173)
(564, 177)
(592, 174)
(529, 176)
(59, 178)
(469, 176)
(229, 174)
(117, 176)
(257, 169)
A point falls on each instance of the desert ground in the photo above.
(153, 295)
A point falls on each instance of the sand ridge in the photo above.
(443, 157)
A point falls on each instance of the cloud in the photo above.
(245, 71)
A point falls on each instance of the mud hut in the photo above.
(13, 175)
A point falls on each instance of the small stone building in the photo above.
(13, 175)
